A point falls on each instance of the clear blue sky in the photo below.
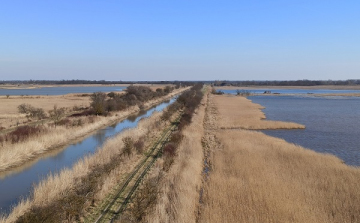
(180, 40)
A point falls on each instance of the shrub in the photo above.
(176, 137)
(98, 102)
(169, 150)
(65, 122)
(139, 145)
(57, 114)
(23, 132)
(128, 145)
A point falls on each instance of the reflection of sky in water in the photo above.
(292, 91)
(19, 184)
(332, 125)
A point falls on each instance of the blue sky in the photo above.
(180, 40)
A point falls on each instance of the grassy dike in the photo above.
(258, 178)
(106, 167)
(178, 198)
(14, 155)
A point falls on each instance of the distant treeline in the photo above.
(287, 83)
(103, 82)
(191, 83)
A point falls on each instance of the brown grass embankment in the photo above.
(12, 155)
(50, 198)
(179, 195)
(258, 178)
(239, 113)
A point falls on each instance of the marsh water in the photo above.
(293, 91)
(332, 123)
(59, 90)
(18, 183)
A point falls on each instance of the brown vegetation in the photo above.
(12, 155)
(239, 113)
(9, 112)
(179, 193)
(258, 178)
(73, 193)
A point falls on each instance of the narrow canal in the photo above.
(17, 185)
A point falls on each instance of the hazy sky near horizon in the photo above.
(180, 40)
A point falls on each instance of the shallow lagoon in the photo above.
(332, 124)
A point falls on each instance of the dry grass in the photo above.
(9, 115)
(55, 187)
(12, 155)
(239, 112)
(258, 178)
(179, 196)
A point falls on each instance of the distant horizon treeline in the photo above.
(188, 83)
(287, 83)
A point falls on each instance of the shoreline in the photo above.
(330, 87)
(269, 179)
(79, 134)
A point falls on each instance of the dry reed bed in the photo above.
(55, 187)
(10, 117)
(179, 195)
(12, 155)
(239, 113)
(258, 178)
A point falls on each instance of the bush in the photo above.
(176, 137)
(23, 132)
(169, 150)
(128, 145)
(65, 122)
(139, 145)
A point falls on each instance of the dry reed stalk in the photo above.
(239, 112)
(258, 178)
(179, 195)
(55, 186)
(13, 155)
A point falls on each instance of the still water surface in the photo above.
(293, 91)
(60, 90)
(332, 124)
(13, 186)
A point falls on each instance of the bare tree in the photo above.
(57, 114)
(98, 102)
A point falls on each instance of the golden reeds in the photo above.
(258, 178)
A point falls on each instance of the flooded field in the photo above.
(332, 124)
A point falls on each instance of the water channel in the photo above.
(18, 184)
